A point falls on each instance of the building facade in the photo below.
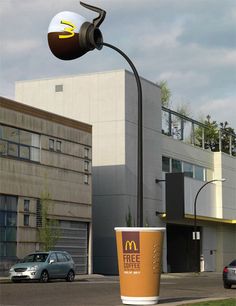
(44, 157)
(108, 101)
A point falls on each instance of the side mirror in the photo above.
(51, 261)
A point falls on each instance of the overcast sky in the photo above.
(189, 43)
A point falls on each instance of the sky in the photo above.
(189, 43)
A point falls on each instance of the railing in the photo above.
(193, 132)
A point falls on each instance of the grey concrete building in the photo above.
(43, 154)
(108, 101)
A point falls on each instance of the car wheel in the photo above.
(44, 277)
(227, 285)
(70, 276)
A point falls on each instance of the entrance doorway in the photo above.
(183, 253)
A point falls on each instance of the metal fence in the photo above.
(193, 132)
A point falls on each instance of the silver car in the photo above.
(43, 266)
(229, 275)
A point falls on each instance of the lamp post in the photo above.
(70, 36)
(195, 235)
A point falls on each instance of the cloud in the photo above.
(190, 43)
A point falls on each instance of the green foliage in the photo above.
(165, 93)
(226, 302)
(212, 136)
(49, 232)
(128, 218)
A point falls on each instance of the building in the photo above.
(108, 101)
(44, 156)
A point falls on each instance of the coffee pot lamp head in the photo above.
(70, 35)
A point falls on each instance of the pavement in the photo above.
(98, 278)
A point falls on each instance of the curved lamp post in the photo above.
(71, 36)
(195, 215)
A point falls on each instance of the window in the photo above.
(3, 147)
(26, 220)
(165, 164)
(58, 145)
(61, 257)
(53, 257)
(86, 179)
(51, 144)
(38, 214)
(19, 143)
(59, 88)
(86, 152)
(13, 149)
(86, 165)
(8, 222)
(176, 165)
(24, 152)
(26, 205)
(199, 173)
(188, 169)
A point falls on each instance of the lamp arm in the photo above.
(140, 137)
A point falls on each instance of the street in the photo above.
(104, 290)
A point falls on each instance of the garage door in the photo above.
(74, 240)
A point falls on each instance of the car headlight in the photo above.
(34, 268)
(11, 270)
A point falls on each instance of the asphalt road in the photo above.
(100, 290)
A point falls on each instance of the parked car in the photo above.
(229, 275)
(43, 266)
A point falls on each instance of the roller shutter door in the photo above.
(74, 240)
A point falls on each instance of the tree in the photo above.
(49, 231)
(165, 93)
(212, 136)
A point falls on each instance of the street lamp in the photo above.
(195, 233)
(71, 36)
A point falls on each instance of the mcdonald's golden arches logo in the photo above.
(130, 242)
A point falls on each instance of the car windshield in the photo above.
(39, 257)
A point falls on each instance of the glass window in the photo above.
(58, 145)
(86, 152)
(176, 165)
(51, 144)
(10, 219)
(10, 249)
(199, 173)
(24, 152)
(34, 154)
(3, 147)
(188, 169)
(11, 203)
(26, 205)
(53, 257)
(10, 234)
(35, 140)
(86, 166)
(10, 134)
(13, 149)
(86, 179)
(165, 164)
(61, 257)
(25, 137)
(26, 220)
(59, 88)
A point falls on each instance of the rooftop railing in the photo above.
(196, 133)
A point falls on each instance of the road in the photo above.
(101, 290)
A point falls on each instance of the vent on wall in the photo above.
(59, 88)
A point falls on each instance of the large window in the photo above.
(8, 225)
(19, 143)
(190, 170)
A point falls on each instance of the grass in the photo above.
(227, 302)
